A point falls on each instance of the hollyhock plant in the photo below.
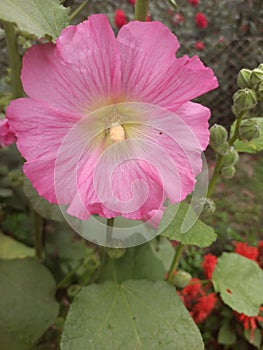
(6, 135)
(120, 18)
(108, 127)
(201, 20)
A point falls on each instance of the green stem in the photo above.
(67, 279)
(175, 262)
(78, 10)
(14, 59)
(38, 231)
(141, 9)
(215, 175)
(110, 224)
(236, 131)
(219, 161)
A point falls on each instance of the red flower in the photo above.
(193, 2)
(193, 289)
(191, 292)
(209, 265)
(148, 18)
(202, 309)
(260, 254)
(199, 45)
(247, 251)
(250, 322)
(120, 18)
(201, 20)
(132, 2)
(178, 19)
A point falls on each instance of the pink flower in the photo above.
(201, 20)
(193, 2)
(6, 136)
(209, 265)
(120, 18)
(108, 128)
(199, 45)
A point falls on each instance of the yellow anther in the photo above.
(117, 133)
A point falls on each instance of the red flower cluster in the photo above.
(250, 322)
(201, 20)
(247, 251)
(193, 2)
(120, 18)
(197, 301)
(209, 264)
(132, 2)
(199, 45)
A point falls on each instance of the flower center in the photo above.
(117, 132)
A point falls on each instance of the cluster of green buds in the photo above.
(218, 139)
(228, 165)
(245, 101)
(219, 143)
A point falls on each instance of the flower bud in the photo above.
(222, 149)
(249, 130)
(73, 290)
(243, 78)
(218, 135)
(260, 91)
(256, 77)
(244, 99)
(228, 172)
(231, 158)
(182, 279)
(115, 253)
(208, 206)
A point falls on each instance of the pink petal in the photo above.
(152, 73)
(81, 71)
(7, 137)
(39, 128)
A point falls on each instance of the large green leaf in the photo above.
(181, 223)
(38, 17)
(41, 205)
(149, 261)
(11, 249)
(240, 283)
(252, 146)
(131, 315)
(27, 303)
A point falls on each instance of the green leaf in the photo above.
(240, 283)
(36, 17)
(132, 315)
(148, 261)
(253, 337)
(11, 249)
(180, 223)
(27, 303)
(253, 146)
(41, 205)
(225, 335)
